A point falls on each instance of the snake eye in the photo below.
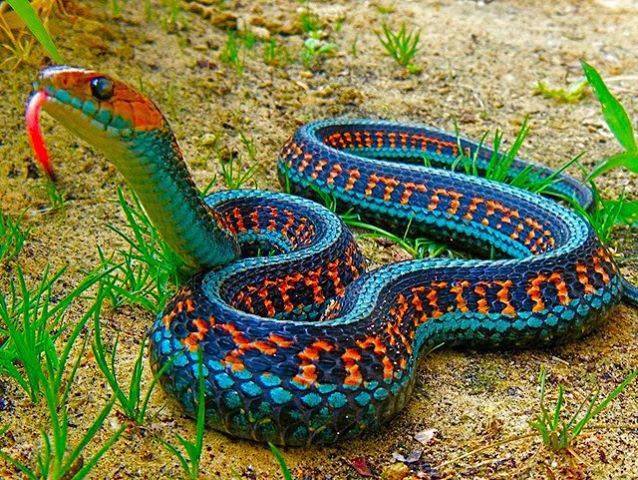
(101, 88)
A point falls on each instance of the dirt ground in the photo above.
(480, 62)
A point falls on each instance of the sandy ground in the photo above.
(480, 62)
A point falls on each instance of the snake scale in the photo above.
(300, 343)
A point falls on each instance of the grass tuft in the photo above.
(605, 215)
(618, 122)
(132, 401)
(402, 45)
(56, 196)
(310, 21)
(314, 49)
(275, 55)
(32, 320)
(559, 435)
(550, 429)
(230, 54)
(500, 165)
(236, 176)
(43, 345)
(145, 274)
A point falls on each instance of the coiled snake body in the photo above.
(301, 344)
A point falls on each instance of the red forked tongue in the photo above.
(35, 132)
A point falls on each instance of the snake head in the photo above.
(104, 111)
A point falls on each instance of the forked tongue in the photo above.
(35, 133)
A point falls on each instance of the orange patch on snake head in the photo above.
(106, 92)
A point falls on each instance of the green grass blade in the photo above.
(23, 468)
(9, 369)
(151, 387)
(196, 452)
(623, 159)
(541, 186)
(88, 436)
(74, 370)
(627, 210)
(595, 410)
(282, 462)
(68, 346)
(567, 427)
(44, 456)
(559, 407)
(176, 453)
(613, 111)
(135, 387)
(99, 353)
(88, 466)
(26, 12)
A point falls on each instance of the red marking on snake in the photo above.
(318, 168)
(392, 137)
(404, 140)
(290, 221)
(243, 345)
(409, 188)
(433, 297)
(457, 289)
(193, 338)
(239, 219)
(333, 274)
(348, 137)
(472, 207)
(307, 159)
(312, 282)
(350, 359)
(280, 341)
(353, 176)
(307, 369)
(264, 294)
(482, 305)
(373, 180)
(417, 303)
(503, 296)
(399, 312)
(190, 305)
(583, 278)
(335, 171)
(254, 217)
(272, 222)
(368, 138)
(390, 185)
(600, 270)
(535, 293)
(379, 350)
(301, 227)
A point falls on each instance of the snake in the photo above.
(298, 341)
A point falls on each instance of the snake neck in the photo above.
(154, 168)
